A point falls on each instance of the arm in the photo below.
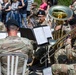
(9, 8)
(0, 7)
(23, 4)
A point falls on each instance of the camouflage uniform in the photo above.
(68, 52)
(59, 69)
(2, 27)
(15, 44)
(44, 23)
(69, 66)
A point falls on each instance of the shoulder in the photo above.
(25, 40)
(1, 41)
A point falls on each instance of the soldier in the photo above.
(42, 18)
(13, 43)
(66, 58)
(32, 18)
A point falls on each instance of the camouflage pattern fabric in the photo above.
(64, 69)
(65, 61)
(2, 27)
(15, 44)
(68, 52)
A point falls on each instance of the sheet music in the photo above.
(47, 71)
(47, 31)
(40, 36)
(4, 34)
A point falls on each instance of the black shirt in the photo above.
(24, 9)
(6, 7)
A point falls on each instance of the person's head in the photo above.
(5, 1)
(12, 27)
(41, 15)
(34, 5)
(72, 22)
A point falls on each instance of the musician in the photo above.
(32, 18)
(42, 18)
(65, 59)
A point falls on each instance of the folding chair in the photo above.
(13, 61)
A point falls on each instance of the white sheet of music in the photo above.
(4, 34)
(40, 36)
(47, 31)
(47, 71)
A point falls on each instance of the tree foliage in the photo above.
(60, 2)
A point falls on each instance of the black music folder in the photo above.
(27, 33)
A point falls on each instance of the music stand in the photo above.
(27, 33)
(42, 33)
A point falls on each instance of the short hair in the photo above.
(12, 22)
(12, 27)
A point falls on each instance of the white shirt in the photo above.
(29, 4)
(14, 5)
(1, 1)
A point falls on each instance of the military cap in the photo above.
(41, 12)
(34, 4)
(12, 22)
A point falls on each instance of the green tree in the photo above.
(64, 2)
(60, 2)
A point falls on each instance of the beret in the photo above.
(41, 12)
(12, 22)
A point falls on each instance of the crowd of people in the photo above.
(22, 11)
(26, 14)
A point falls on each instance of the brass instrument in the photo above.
(62, 39)
(59, 14)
